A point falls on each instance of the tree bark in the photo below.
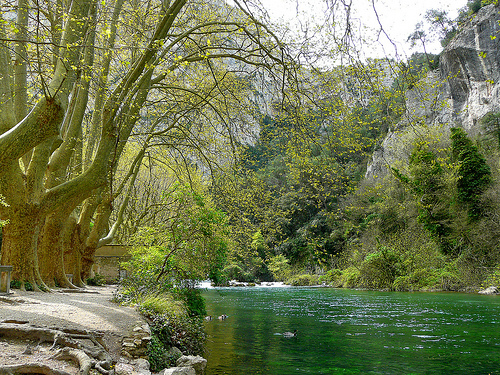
(20, 238)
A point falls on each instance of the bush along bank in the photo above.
(176, 329)
(386, 269)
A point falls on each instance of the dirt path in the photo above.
(92, 310)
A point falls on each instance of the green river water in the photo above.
(351, 332)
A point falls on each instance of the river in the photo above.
(351, 332)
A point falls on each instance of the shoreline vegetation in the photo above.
(321, 281)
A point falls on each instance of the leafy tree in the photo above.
(474, 174)
(70, 101)
(190, 245)
(428, 184)
(445, 28)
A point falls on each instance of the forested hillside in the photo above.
(219, 144)
(378, 185)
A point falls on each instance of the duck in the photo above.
(290, 334)
(222, 317)
(208, 318)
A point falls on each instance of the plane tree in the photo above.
(81, 80)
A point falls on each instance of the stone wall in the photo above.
(107, 260)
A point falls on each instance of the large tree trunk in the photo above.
(20, 238)
(51, 250)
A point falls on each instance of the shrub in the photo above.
(186, 334)
(350, 277)
(142, 276)
(493, 278)
(332, 277)
(448, 280)
(279, 267)
(16, 284)
(403, 284)
(193, 300)
(97, 280)
(303, 280)
(380, 269)
(233, 272)
(156, 355)
(473, 171)
(152, 306)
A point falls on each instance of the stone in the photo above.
(178, 371)
(489, 291)
(124, 369)
(196, 362)
(142, 364)
(137, 344)
(143, 328)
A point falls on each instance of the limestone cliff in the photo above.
(464, 89)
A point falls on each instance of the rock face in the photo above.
(470, 64)
(464, 89)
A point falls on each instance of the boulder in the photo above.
(489, 291)
(124, 369)
(142, 366)
(199, 364)
(178, 371)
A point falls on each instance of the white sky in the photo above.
(398, 17)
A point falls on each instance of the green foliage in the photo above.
(380, 269)
(428, 182)
(491, 124)
(287, 187)
(351, 277)
(153, 305)
(332, 277)
(16, 284)
(474, 173)
(157, 355)
(279, 266)
(193, 301)
(97, 280)
(192, 245)
(186, 334)
(142, 276)
(303, 280)
(493, 278)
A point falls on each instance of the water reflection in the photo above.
(353, 332)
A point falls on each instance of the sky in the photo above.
(398, 18)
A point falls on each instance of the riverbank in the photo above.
(49, 329)
(312, 281)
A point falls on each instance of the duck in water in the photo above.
(290, 334)
(208, 318)
(222, 317)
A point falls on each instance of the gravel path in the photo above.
(91, 310)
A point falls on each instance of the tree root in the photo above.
(76, 355)
(87, 357)
(30, 368)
